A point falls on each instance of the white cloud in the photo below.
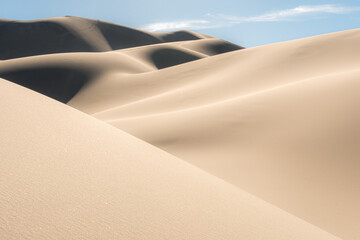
(220, 20)
(287, 14)
(186, 24)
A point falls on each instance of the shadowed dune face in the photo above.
(222, 48)
(119, 37)
(55, 82)
(217, 48)
(178, 36)
(167, 57)
(36, 38)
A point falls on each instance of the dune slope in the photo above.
(68, 175)
(279, 121)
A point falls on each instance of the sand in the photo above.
(138, 135)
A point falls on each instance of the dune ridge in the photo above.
(75, 34)
(277, 121)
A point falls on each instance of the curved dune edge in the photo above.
(67, 175)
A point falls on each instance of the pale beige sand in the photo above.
(279, 121)
(66, 175)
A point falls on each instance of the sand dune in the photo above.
(74, 34)
(67, 175)
(279, 121)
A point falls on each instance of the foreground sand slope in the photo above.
(279, 121)
(67, 175)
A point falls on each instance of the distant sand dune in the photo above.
(279, 121)
(74, 34)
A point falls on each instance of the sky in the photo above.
(247, 23)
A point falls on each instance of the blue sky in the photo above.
(247, 23)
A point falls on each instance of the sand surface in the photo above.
(176, 135)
